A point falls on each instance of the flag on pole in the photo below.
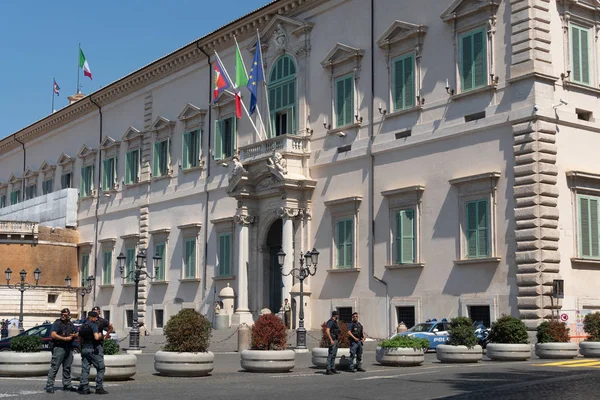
(256, 76)
(83, 64)
(221, 80)
(241, 79)
(56, 88)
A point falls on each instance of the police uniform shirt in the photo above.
(86, 338)
(62, 329)
(102, 325)
(334, 329)
(356, 329)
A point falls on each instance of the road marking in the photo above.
(394, 376)
(571, 364)
(24, 379)
(21, 393)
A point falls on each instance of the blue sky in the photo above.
(39, 39)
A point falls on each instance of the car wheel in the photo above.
(5, 349)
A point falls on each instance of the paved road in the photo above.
(536, 379)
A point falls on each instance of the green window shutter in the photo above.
(130, 256)
(159, 249)
(467, 62)
(82, 184)
(479, 59)
(185, 150)
(349, 245)
(345, 243)
(348, 100)
(576, 63)
(228, 254)
(105, 174)
(129, 168)
(218, 147)
(2, 201)
(408, 79)
(585, 56)
(471, 214)
(190, 258)
(594, 227)
(197, 140)
(224, 254)
(407, 233)
(339, 103)
(156, 161)
(341, 225)
(165, 157)
(135, 175)
(482, 229)
(232, 137)
(85, 266)
(584, 224)
(107, 268)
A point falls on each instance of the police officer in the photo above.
(332, 332)
(103, 326)
(287, 313)
(62, 333)
(90, 355)
(357, 338)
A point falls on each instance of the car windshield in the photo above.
(37, 331)
(420, 328)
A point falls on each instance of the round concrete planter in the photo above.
(319, 358)
(268, 360)
(399, 357)
(24, 364)
(119, 367)
(184, 364)
(508, 351)
(458, 354)
(557, 350)
(590, 349)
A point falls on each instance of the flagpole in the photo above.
(262, 66)
(78, 55)
(53, 80)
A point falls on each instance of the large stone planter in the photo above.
(183, 364)
(119, 367)
(24, 364)
(557, 350)
(590, 349)
(458, 354)
(508, 351)
(319, 358)
(268, 360)
(399, 357)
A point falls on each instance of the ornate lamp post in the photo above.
(310, 259)
(138, 272)
(82, 290)
(22, 287)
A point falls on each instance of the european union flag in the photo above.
(256, 76)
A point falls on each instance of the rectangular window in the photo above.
(159, 249)
(480, 313)
(129, 264)
(2, 201)
(224, 138)
(345, 314)
(87, 177)
(189, 259)
(405, 237)
(473, 69)
(580, 54)
(85, 266)
(47, 186)
(224, 268)
(345, 243)
(477, 229)
(161, 159)
(406, 314)
(106, 315)
(109, 175)
(589, 228)
(344, 100)
(404, 82)
(190, 157)
(107, 268)
(132, 167)
(15, 197)
(129, 318)
(52, 298)
(66, 181)
(282, 101)
(158, 318)
(30, 192)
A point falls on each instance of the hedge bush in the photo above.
(26, 344)
(269, 333)
(343, 338)
(110, 347)
(187, 332)
(508, 329)
(591, 326)
(552, 332)
(462, 333)
(406, 342)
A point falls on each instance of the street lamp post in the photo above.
(82, 290)
(22, 287)
(138, 272)
(310, 259)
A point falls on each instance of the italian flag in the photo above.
(83, 64)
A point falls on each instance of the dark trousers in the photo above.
(331, 354)
(92, 356)
(60, 356)
(356, 351)
(288, 318)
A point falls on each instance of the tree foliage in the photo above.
(269, 333)
(187, 332)
(508, 329)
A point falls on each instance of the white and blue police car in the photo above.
(433, 330)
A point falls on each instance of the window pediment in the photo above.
(465, 8)
(294, 26)
(30, 173)
(86, 152)
(400, 31)
(3, 185)
(13, 179)
(108, 143)
(130, 134)
(224, 99)
(191, 111)
(341, 53)
(46, 167)
(64, 159)
(161, 123)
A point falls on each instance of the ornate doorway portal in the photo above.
(275, 279)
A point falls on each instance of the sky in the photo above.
(39, 41)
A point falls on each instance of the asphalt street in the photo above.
(535, 379)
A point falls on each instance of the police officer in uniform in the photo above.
(91, 355)
(62, 333)
(287, 313)
(357, 338)
(332, 332)
(103, 326)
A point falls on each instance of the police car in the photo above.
(433, 330)
(43, 331)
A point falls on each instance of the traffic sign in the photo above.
(564, 317)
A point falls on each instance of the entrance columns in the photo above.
(287, 244)
(242, 313)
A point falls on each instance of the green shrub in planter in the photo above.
(591, 326)
(26, 344)
(405, 342)
(461, 333)
(343, 339)
(552, 332)
(510, 330)
(110, 347)
(187, 332)
(269, 333)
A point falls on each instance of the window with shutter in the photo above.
(2, 201)
(580, 54)
(108, 174)
(282, 96)
(85, 266)
(345, 243)
(224, 267)
(107, 268)
(132, 167)
(405, 237)
(473, 69)
(159, 249)
(224, 138)
(589, 228)
(129, 264)
(344, 100)
(477, 229)
(86, 181)
(65, 180)
(404, 82)
(161, 159)
(15, 197)
(191, 150)
(190, 259)
(48, 186)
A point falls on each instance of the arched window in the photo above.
(282, 96)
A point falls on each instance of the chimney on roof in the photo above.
(75, 98)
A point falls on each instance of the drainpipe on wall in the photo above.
(205, 295)
(97, 199)
(372, 174)
(24, 167)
